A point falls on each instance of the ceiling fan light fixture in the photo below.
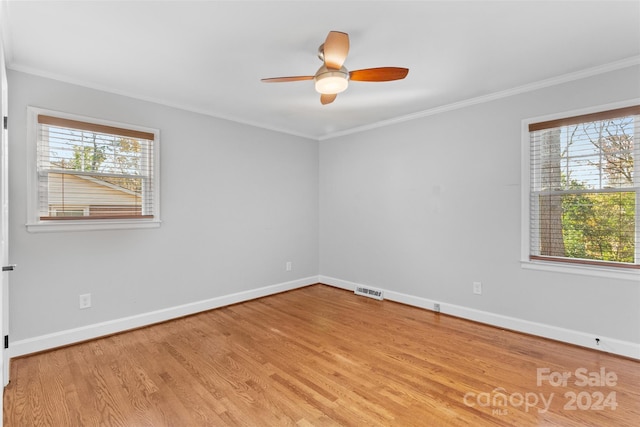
(329, 82)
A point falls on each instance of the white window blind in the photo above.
(89, 171)
(585, 189)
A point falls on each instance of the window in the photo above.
(584, 189)
(91, 174)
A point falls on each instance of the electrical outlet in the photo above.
(85, 301)
(477, 288)
(288, 266)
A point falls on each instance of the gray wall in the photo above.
(428, 206)
(237, 203)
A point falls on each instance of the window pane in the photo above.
(594, 226)
(597, 155)
(584, 190)
(79, 150)
(86, 195)
(85, 172)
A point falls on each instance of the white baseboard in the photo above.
(583, 339)
(71, 336)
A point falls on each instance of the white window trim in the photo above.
(35, 225)
(559, 267)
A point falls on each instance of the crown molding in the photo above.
(565, 78)
(158, 101)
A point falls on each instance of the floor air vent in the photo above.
(369, 292)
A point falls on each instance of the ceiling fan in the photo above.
(332, 77)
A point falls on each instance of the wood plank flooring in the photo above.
(320, 356)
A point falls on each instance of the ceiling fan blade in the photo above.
(287, 79)
(382, 74)
(336, 48)
(328, 98)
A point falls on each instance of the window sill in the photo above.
(90, 225)
(585, 270)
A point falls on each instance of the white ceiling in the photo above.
(209, 56)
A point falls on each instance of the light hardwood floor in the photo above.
(321, 356)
